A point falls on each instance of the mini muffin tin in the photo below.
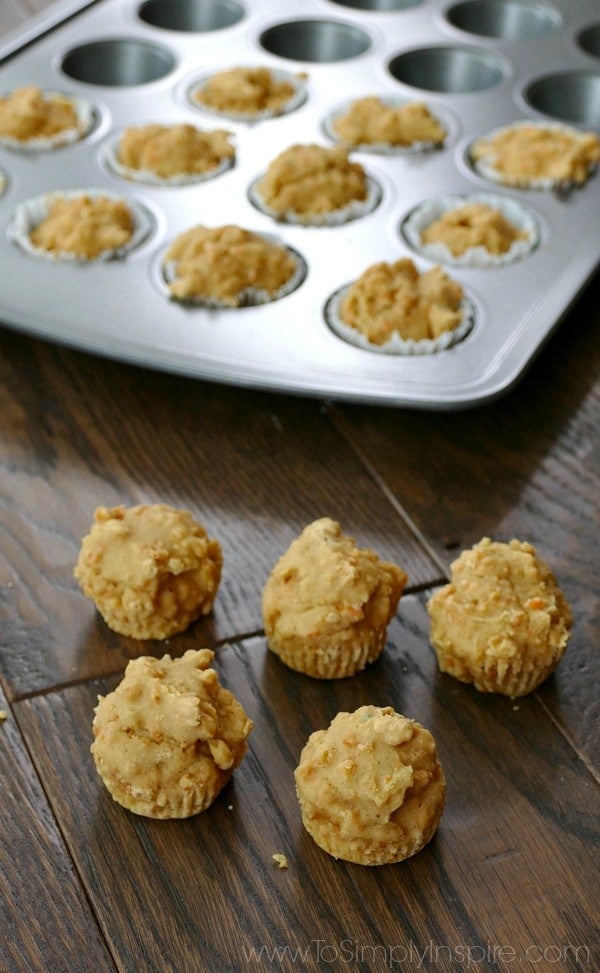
(478, 65)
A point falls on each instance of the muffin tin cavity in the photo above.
(281, 75)
(589, 40)
(457, 70)
(572, 96)
(118, 62)
(378, 6)
(197, 16)
(315, 41)
(510, 20)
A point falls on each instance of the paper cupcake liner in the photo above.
(295, 101)
(486, 168)
(166, 273)
(330, 661)
(150, 178)
(31, 213)
(396, 345)
(431, 210)
(3, 182)
(85, 119)
(386, 148)
(353, 211)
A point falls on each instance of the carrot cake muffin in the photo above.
(170, 151)
(395, 299)
(371, 121)
(151, 570)
(503, 622)
(169, 737)
(249, 92)
(227, 266)
(312, 184)
(27, 116)
(327, 603)
(371, 787)
(533, 155)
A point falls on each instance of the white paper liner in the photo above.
(432, 209)
(248, 297)
(295, 101)
(150, 178)
(353, 211)
(485, 167)
(85, 119)
(396, 345)
(386, 148)
(31, 213)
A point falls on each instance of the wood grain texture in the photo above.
(77, 432)
(45, 921)
(527, 467)
(511, 870)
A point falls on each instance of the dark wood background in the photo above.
(510, 882)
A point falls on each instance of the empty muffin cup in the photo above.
(317, 41)
(455, 70)
(118, 62)
(195, 16)
(571, 96)
(504, 19)
(589, 40)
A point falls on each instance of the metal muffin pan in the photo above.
(481, 63)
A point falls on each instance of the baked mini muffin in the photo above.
(171, 151)
(249, 92)
(313, 184)
(28, 116)
(371, 121)
(502, 623)
(530, 155)
(151, 570)
(169, 737)
(84, 226)
(327, 603)
(396, 299)
(227, 266)
(371, 787)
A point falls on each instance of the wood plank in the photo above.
(77, 432)
(511, 869)
(527, 467)
(45, 919)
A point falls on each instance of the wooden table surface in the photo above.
(510, 882)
